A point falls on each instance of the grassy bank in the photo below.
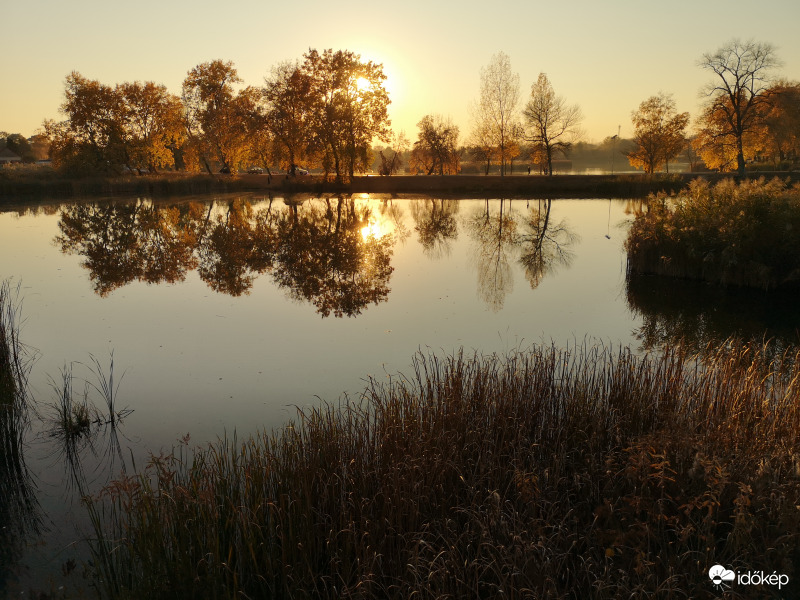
(744, 234)
(43, 182)
(580, 473)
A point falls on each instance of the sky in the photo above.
(607, 57)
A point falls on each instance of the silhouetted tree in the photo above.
(436, 148)
(737, 96)
(349, 108)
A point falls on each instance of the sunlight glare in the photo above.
(373, 229)
(363, 84)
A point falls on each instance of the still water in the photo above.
(226, 313)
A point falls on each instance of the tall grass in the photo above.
(77, 425)
(745, 234)
(19, 509)
(587, 472)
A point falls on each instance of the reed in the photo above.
(584, 472)
(20, 514)
(745, 234)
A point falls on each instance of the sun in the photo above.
(363, 84)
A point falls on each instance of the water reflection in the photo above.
(699, 313)
(129, 242)
(334, 253)
(436, 225)
(233, 247)
(501, 236)
(546, 245)
(20, 515)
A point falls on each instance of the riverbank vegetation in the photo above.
(745, 234)
(587, 471)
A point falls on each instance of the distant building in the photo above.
(8, 157)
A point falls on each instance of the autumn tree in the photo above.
(736, 97)
(287, 94)
(152, 126)
(219, 120)
(91, 137)
(436, 148)
(716, 146)
(659, 133)
(553, 125)
(349, 108)
(496, 113)
(129, 126)
(782, 122)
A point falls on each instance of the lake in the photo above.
(226, 313)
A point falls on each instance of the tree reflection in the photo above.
(436, 225)
(699, 314)
(330, 255)
(334, 253)
(125, 242)
(233, 249)
(545, 245)
(496, 240)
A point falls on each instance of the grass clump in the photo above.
(745, 234)
(585, 472)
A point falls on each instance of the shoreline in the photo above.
(491, 186)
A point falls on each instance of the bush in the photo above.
(744, 234)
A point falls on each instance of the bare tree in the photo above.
(744, 75)
(554, 125)
(496, 113)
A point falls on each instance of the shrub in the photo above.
(745, 234)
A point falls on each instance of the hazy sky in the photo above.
(606, 56)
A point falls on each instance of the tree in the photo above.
(553, 124)
(496, 114)
(481, 143)
(287, 93)
(659, 133)
(349, 108)
(436, 148)
(152, 125)
(218, 120)
(717, 146)
(736, 98)
(20, 146)
(398, 148)
(134, 125)
(782, 121)
(91, 137)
